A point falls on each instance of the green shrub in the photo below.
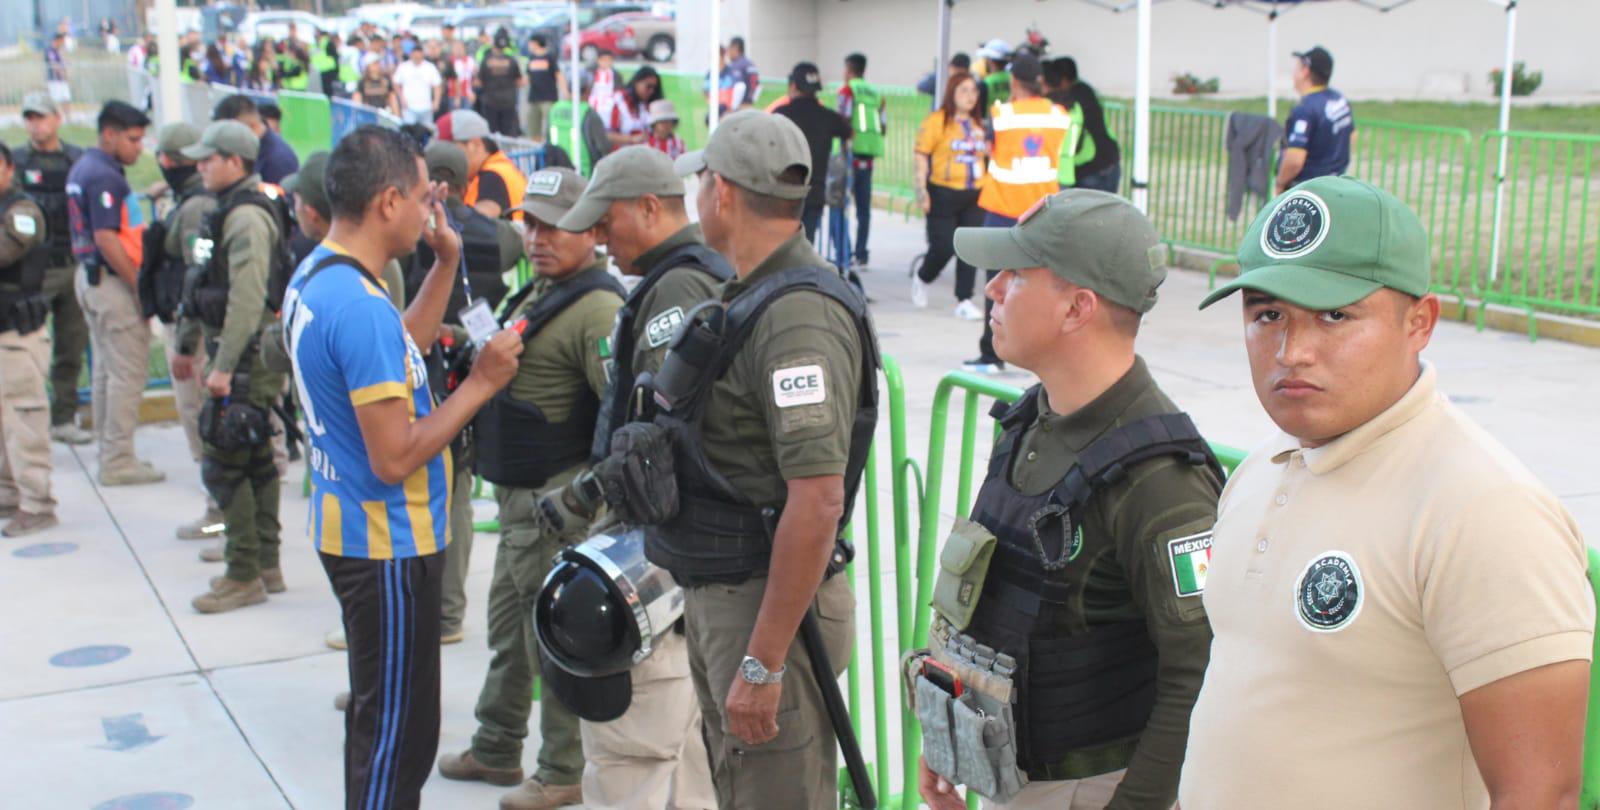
(1523, 81)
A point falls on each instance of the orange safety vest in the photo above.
(516, 183)
(1027, 147)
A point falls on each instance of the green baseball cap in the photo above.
(753, 149)
(1330, 242)
(39, 104)
(1089, 238)
(447, 163)
(227, 137)
(551, 193)
(176, 137)
(626, 174)
(308, 183)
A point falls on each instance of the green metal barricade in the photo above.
(1589, 799)
(1428, 169)
(1540, 253)
(307, 121)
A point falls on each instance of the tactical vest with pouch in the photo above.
(1080, 693)
(625, 336)
(161, 276)
(23, 305)
(516, 445)
(711, 533)
(44, 178)
(205, 295)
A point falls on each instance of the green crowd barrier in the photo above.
(1589, 797)
(307, 121)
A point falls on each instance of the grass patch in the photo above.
(1475, 117)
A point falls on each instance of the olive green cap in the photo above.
(752, 149)
(309, 183)
(626, 174)
(39, 104)
(551, 194)
(1330, 242)
(227, 137)
(447, 163)
(1089, 238)
(175, 137)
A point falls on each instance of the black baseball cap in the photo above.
(806, 77)
(1317, 60)
(1025, 67)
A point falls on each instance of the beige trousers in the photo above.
(120, 341)
(190, 393)
(25, 421)
(652, 757)
(1093, 793)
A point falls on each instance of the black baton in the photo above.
(828, 684)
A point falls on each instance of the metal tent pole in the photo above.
(1505, 140)
(1141, 111)
(714, 85)
(577, 89)
(944, 50)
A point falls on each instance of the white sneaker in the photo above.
(335, 639)
(919, 293)
(968, 311)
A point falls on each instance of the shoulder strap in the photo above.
(1108, 460)
(746, 310)
(565, 294)
(1014, 417)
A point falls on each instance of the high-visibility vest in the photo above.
(1027, 148)
(516, 183)
(321, 62)
(1067, 164)
(998, 84)
(561, 134)
(865, 121)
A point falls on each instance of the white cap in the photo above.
(995, 49)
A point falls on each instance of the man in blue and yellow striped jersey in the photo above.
(380, 468)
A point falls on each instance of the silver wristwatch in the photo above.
(753, 671)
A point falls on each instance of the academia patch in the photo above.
(800, 385)
(1329, 593)
(1191, 559)
(1297, 226)
(662, 327)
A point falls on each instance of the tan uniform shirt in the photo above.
(1355, 591)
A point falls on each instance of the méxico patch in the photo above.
(1328, 594)
(1191, 558)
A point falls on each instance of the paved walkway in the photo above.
(116, 694)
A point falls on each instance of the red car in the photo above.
(628, 35)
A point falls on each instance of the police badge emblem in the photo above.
(1296, 226)
(1328, 594)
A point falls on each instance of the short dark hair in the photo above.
(857, 62)
(538, 39)
(249, 166)
(962, 61)
(270, 111)
(120, 116)
(1051, 73)
(737, 42)
(234, 107)
(1068, 67)
(366, 163)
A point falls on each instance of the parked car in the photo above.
(557, 24)
(275, 24)
(626, 35)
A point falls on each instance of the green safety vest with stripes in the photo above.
(561, 134)
(998, 84)
(865, 122)
(321, 62)
(1071, 156)
(293, 73)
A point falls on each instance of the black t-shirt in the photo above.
(542, 78)
(499, 74)
(1106, 151)
(821, 126)
(492, 187)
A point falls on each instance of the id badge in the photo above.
(480, 322)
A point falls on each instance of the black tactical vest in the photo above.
(1089, 685)
(480, 247)
(43, 176)
(625, 337)
(161, 275)
(718, 535)
(207, 282)
(516, 445)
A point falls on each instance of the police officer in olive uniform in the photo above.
(42, 167)
(1073, 593)
(169, 252)
(24, 353)
(242, 251)
(489, 248)
(768, 402)
(653, 755)
(532, 437)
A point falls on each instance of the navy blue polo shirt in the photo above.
(1321, 124)
(276, 160)
(96, 194)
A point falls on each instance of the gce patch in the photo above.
(1329, 593)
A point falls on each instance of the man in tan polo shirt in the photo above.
(1400, 613)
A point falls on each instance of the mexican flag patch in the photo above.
(1190, 557)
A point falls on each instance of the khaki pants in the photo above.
(539, 120)
(25, 421)
(520, 565)
(457, 555)
(1093, 793)
(653, 756)
(796, 770)
(120, 340)
(69, 337)
(188, 394)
